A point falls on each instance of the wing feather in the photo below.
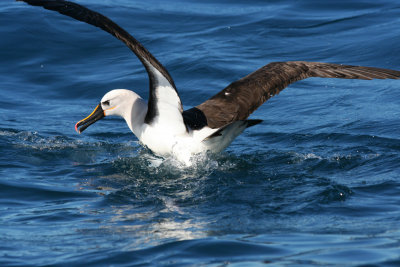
(238, 100)
(161, 82)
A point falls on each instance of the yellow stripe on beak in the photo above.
(97, 114)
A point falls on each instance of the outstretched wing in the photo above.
(163, 93)
(241, 98)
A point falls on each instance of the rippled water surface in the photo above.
(316, 183)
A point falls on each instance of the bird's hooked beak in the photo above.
(97, 114)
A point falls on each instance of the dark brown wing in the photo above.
(241, 98)
(84, 14)
(151, 64)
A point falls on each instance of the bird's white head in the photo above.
(118, 102)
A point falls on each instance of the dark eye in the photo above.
(106, 103)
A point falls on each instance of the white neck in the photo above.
(135, 117)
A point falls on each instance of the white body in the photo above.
(167, 135)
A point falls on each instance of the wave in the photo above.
(319, 169)
(320, 151)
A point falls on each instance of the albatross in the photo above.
(164, 127)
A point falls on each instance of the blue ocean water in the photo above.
(317, 183)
